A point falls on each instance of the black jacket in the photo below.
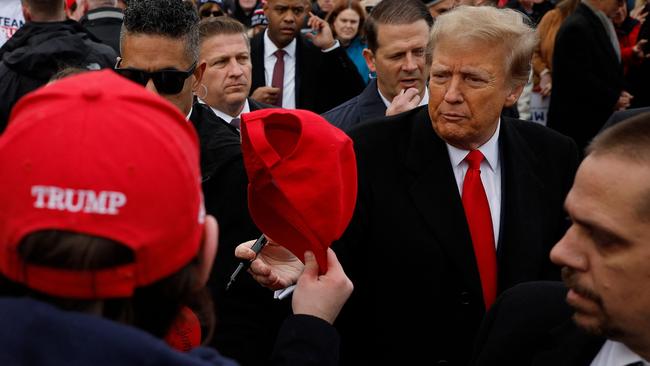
(323, 79)
(39, 50)
(531, 324)
(417, 293)
(587, 77)
(365, 106)
(248, 318)
(105, 23)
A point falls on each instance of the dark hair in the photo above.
(394, 12)
(628, 140)
(175, 19)
(344, 5)
(152, 308)
(45, 7)
(567, 7)
(210, 27)
(67, 71)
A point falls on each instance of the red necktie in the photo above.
(477, 212)
(278, 74)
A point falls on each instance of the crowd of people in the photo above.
(121, 129)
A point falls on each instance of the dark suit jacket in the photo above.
(365, 106)
(408, 248)
(587, 77)
(323, 79)
(531, 324)
(248, 318)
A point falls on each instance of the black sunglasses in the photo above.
(166, 81)
(215, 13)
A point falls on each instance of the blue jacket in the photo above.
(365, 106)
(36, 333)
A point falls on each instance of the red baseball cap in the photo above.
(302, 179)
(99, 155)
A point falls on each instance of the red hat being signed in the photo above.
(302, 179)
(96, 154)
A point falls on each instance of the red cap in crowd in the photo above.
(99, 155)
(302, 179)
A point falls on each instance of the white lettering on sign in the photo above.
(78, 200)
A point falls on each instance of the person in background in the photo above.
(585, 94)
(543, 54)
(242, 10)
(47, 43)
(321, 8)
(211, 8)
(104, 21)
(397, 34)
(292, 70)
(346, 20)
(627, 31)
(437, 7)
(258, 22)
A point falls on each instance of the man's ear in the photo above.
(198, 75)
(369, 56)
(27, 14)
(208, 250)
(511, 98)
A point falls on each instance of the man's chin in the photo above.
(588, 323)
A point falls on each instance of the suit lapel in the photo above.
(520, 246)
(436, 197)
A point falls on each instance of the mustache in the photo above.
(569, 277)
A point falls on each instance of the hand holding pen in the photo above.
(274, 267)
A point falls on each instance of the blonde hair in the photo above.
(486, 24)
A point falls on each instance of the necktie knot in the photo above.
(279, 54)
(474, 159)
(236, 122)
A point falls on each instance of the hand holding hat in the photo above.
(302, 179)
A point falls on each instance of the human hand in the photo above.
(638, 13)
(274, 267)
(266, 94)
(545, 84)
(321, 34)
(623, 101)
(321, 296)
(406, 100)
(637, 50)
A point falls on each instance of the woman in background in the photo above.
(346, 21)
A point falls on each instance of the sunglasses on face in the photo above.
(215, 13)
(166, 81)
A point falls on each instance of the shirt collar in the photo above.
(490, 151)
(270, 47)
(423, 101)
(226, 117)
(622, 354)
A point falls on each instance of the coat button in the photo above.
(464, 298)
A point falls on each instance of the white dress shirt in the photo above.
(226, 117)
(424, 101)
(614, 353)
(490, 175)
(289, 83)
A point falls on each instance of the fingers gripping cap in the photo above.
(303, 179)
(96, 154)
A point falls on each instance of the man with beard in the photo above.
(605, 257)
